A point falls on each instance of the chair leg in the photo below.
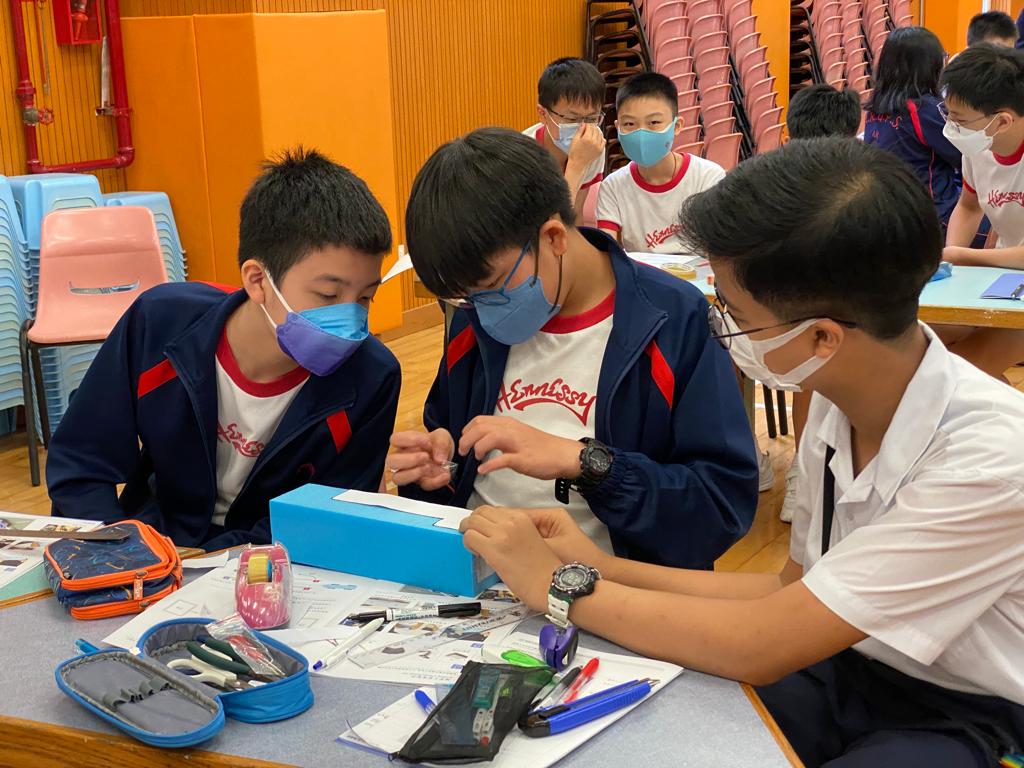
(30, 410)
(783, 418)
(44, 414)
(769, 411)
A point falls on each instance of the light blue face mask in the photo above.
(646, 147)
(566, 133)
(512, 316)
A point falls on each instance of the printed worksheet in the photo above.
(388, 730)
(320, 599)
(18, 556)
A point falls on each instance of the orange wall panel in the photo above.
(773, 24)
(226, 53)
(949, 19)
(324, 82)
(168, 129)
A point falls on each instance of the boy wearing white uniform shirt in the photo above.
(984, 93)
(894, 636)
(639, 203)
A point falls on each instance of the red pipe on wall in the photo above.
(122, 112)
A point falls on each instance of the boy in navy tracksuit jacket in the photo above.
(572, 374)
(206, 404)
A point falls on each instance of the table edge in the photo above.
(772, 726)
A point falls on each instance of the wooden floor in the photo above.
(764, 549)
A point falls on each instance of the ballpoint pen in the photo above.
(345, 646)
(584, 677)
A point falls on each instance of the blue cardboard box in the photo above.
(420, 548)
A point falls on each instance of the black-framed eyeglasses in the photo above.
(719, 328)
(496, 297)
(591, 119)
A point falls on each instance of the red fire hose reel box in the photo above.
(77, 22)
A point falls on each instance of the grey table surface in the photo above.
(697, 720)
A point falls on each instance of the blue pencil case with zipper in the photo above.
(138, 693)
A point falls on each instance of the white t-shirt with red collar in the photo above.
(645, 215)
(248, 414)
(998, 181)
(594, 172)
(550, 383)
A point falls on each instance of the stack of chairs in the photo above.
(839, 41)
(619, 48)
(16, 280)
(167, 229)
(26, 200)
(711, 50)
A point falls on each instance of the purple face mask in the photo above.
(323, 338)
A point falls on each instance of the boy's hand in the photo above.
(565, 538)
(526, 450)
(416, 457)
(508, 540)
(587, 145)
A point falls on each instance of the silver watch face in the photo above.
(572, 578)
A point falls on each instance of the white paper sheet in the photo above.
(660, 260)
(403, 264)
(19, 556)
(447, 517)
(320, 599)
(210, 561)
(388, 730)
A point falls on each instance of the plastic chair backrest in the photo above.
(694, 149)
(688, 135)
(770, 138)
(590, 205)
(719, 128)
(684, 83)
(688, 99)
(93, 263)
(720, 75)
(672, 48)
(682, 65)
(725, 150)
(767, 118)
(676, 26)
(705, 43)
(716, 94)
(688, 115)
(717, 112)
(711, 57)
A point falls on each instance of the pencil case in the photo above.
(100, 579)
(136, 692)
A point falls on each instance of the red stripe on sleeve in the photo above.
(663, 377)
(155, 377)
(459, 346)
(341, 430)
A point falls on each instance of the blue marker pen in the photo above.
(424, 701)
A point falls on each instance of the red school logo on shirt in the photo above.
(519, 396)
(997, 199)
(659, 236)
(230, 434)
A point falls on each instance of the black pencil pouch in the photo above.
(472, 721)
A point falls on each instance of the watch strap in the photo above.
(558, 609)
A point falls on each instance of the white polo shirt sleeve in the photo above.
(609, 215)
(919, 575)
(967, 174)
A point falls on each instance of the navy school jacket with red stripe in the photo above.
(683, 485)
(146, 415)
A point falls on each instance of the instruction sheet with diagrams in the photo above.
(18, 556)
(418, 652)
(388, 730)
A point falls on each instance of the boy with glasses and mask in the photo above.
(573, 375)
(570, 99)
(984, 111)
(207, 403)
(894, 636)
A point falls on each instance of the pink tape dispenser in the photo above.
(263, 586)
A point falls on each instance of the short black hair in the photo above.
(823, 228)
(490, 190)
(987, 78)
(820, 110)
(574, 80)
(303, 201)
(990, 25)
(648, 84)
(908, 68)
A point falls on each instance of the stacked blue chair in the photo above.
(17, 271)
(167, 229)
(34, 197)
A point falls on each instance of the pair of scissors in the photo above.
(221, 654)
(201, 672)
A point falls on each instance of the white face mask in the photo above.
(967, 141)
(566, 133)
(748, 354)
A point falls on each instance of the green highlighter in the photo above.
(520, 659)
